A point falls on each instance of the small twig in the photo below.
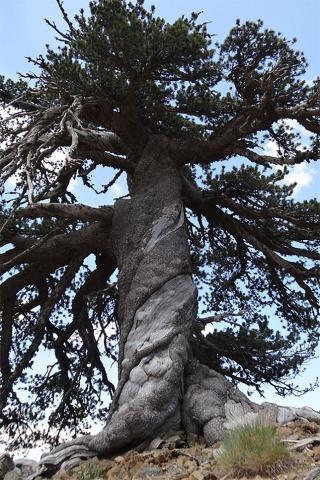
(222, 317)
(226, 476)
(65, 16)
(29, 178)
(110, 288)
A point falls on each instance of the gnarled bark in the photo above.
(161, 387)
(157, 306)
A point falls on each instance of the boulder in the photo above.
(6, 464)
(14, 474)
(26, 466)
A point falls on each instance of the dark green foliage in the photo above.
(239, 277)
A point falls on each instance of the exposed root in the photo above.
(66, 455)
(212, 406)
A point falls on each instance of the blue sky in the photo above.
(23, 32)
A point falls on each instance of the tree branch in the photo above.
(54, 253)
(68, 211)
(254, 235)
(39, 328)
(266, 160)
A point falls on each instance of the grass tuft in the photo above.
(89, 470)
(254, 449)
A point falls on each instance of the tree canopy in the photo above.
(119, 76)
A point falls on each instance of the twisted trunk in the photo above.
(157, 306)
(161, 388)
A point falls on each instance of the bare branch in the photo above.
(222, 317)
(69, 211)
(266, 160)
(39, 328)
(65, 16)
(54, 253)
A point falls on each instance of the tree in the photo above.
(154, 101)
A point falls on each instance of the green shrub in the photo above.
(253, 449)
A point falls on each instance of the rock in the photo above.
(202, 475)
(14, 474)
(195, 462)
(26, 466)
(119, 459)
(39, 473)
(316, 454)
(288, 414)
(61, 475)
(284, 431)
(306, 427)
(313, 475)
(198, 475)
(6, 464)
(150, 471)
(89, 469)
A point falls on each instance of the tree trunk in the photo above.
(157, 304)
(161, 388)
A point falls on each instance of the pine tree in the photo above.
(128, 92)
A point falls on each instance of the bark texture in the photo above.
(161, 387)
(213, 406)
(158, 304)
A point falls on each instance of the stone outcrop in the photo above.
(6, 465)
(182, 457)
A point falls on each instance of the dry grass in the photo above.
(89, 470)
(254, 449)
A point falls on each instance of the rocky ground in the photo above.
(189, 460)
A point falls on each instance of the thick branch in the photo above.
(56, 252)
(69, 211)
(225, 142)
(266, 160)
(253, 235)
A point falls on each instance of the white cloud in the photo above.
(6, 112)
(271, 148)
(296, 127)
(109, 331)
(12, 181)
(73, 184)
(117, 189)
(301, 174)
(59, 159)
(56, 160)
(57, 156)
(8, 117)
